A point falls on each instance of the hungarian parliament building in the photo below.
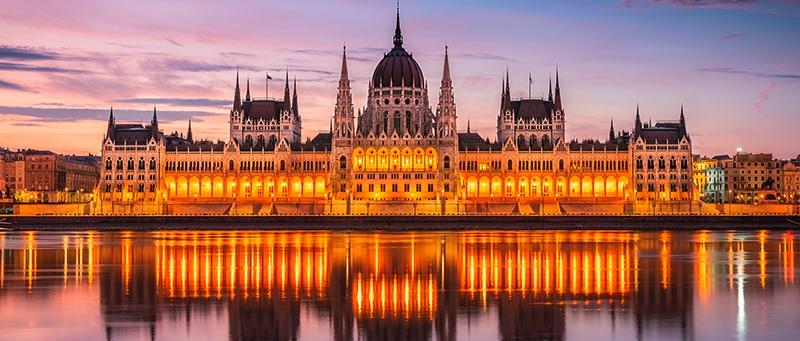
(397, 155)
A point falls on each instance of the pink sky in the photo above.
(735, 67)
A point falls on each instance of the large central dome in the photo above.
(397, 68)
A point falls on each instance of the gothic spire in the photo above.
(189, 132)
(468, 129)
(446, 71)
(638, 123)
(154, 124)
(682, 122)
(287, 104)
(398, 36)
(344, 64)
(247, 96)
(110, 128)
(550, 94)
(558, 92)
(295, 108)
(237, 97)
(611, 131)
(506, 105)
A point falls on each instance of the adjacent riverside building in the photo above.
(399, 154)
(44, 176)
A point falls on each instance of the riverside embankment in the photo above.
(428, 222)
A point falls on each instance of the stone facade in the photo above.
(396, 153)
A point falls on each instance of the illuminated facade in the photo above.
(396, 156)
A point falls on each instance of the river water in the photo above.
(484, 285)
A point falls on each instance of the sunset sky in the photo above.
(733, 64)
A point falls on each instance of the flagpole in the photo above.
(530, 81)
(267, 85)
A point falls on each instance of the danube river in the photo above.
(262, 285)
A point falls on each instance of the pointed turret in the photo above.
(237, 97)
(111, 124)
(446, 71)
(502, 94)
(557, 102)
(507, 95)
(154, 124)
(189, 132)
(398, 35)
(287, 104)
(295, 107)
(550, 94)
(343, 112)
(637, 125)
(247, 96)
(611, 134)
(446, 108)
(682, 122)
(468, 128)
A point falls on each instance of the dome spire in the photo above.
(398, 36)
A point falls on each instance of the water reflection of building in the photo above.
(399, 286)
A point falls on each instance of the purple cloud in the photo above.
(178, 102)
(13, 86)
(750, 73)
(24, 53)
(24, 67)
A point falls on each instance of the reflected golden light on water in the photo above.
(408, 279)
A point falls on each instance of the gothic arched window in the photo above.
(108, 163)
(560, 164)
(343, 162)
(446, 161)
(397, 122)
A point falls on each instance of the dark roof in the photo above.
(176, 143)
(589, 145)
(474, 141)
(322, 141)
(397, 67)
(662, 132)
(721, 157)
(90, 160)
(132, 134)
(262, 109)
(532, 108)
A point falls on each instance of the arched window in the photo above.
(510, 165)
(639, 163)
(282, 166)
(650, 163)
(661, 163)
(342, 162)
(386, 120)
(446, 161)
(684, 163)
(560, 162)
(520, 141)
(408, 122)
(130, 163)
(141, 163)
(152, 163)
(672, 163)
(108, 163)
(397, 122)
(231, 166)
(119, 163)
(532, 141)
